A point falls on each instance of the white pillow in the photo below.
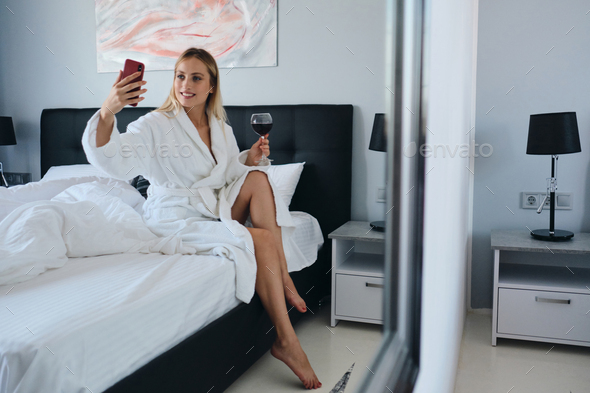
(285, 178)
(70, 171)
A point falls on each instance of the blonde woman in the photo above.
(202, 189)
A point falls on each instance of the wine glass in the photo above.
(262, 124)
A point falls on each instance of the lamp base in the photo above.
(558, 235)
(379, 226)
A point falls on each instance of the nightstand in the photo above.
(541, 288)
(357, 273)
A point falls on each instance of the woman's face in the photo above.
(192, 83)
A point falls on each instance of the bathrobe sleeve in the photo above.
(237, 161)
(123, 157)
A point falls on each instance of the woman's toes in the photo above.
(296, 301)
(317, 384)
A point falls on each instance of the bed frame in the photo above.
(211, 359)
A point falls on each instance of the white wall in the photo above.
(314, 66)
(514, 37)
(447, 193)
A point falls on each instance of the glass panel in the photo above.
(396, 364)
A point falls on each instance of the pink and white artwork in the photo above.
(155, 32)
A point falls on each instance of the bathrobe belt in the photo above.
(198, 195)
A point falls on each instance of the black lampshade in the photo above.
(6, 131)
(553, 134)
(378, 136)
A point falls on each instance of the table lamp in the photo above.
(6, 138)
(553, 134)
(378, 143)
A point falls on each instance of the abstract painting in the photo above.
(239, 33)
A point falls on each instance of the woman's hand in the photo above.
(120, 96)
(255, 154)
(115, 102)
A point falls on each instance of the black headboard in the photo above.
(320, 135)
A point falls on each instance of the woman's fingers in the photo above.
(129, 78)
(131, 94)
(264, 146)
(118, 78)
(131, 86)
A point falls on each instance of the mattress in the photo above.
(85, 326)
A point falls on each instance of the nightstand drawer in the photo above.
(545, 314)
(359, 296)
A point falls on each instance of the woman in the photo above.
(203, 189)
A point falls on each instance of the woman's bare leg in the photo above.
(256, 198)
(269, 287)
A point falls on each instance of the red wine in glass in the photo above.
(262, 129)
(262, 124)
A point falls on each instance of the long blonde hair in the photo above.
(214, 104)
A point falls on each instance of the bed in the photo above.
(159, 312)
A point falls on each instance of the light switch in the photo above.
(564, 200)
(381, 195)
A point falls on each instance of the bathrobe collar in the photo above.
(193, 133)
(218, 144)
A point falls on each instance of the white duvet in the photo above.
(43, 224)
(87, 219)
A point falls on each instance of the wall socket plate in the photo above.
(532, 200)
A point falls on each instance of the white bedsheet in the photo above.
(85, 326)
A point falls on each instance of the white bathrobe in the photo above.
(190, 194)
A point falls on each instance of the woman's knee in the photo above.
(257, 178)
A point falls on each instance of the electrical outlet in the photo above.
(530, 200)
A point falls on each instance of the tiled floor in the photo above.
(517, 366)
(327, 352)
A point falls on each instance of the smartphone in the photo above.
(131, 67)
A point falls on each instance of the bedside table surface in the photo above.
(357, 230)
(521, 240)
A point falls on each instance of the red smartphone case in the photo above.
(131, 67)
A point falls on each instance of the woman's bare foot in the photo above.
(291, 353)
(292, 296)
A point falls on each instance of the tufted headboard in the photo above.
(320, 135)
